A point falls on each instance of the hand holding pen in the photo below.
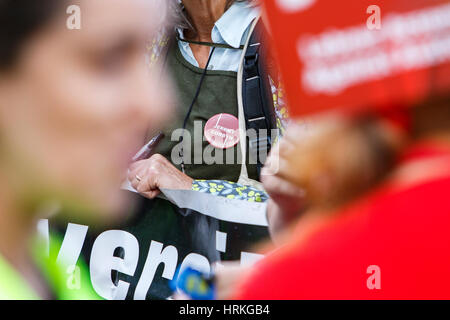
(150, 172)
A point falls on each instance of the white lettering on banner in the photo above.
(249, 259)
(72, 244)
(156, 256)
(221, 241)
(338, 59)
(103, 262)
(197, 262)
(294, 5)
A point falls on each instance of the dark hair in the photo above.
(19, 20)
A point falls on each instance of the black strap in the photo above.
(257, 97)
(191, 106)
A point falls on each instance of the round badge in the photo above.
(222, 131)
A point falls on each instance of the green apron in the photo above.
(218, 95)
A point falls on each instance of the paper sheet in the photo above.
(231, 210)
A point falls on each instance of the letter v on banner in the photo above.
(360, 54)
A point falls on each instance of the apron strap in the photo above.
(243, 178)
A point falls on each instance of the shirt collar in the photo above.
(233, 24)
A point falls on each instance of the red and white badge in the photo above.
(222, 131)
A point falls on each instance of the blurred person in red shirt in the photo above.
(387, 239)
(361, 209)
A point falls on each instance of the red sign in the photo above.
(358, 54)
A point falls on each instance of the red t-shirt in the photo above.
(394, 244)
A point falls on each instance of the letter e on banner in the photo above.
(103, 262)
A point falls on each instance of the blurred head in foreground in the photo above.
(347, 156)
(75, 99)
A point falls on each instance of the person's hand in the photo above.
(286, 199)
(149, 176)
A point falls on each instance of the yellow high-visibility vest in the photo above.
(65, 282)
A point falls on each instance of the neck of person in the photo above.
(17, 230)
(12, 228)
(203, 15)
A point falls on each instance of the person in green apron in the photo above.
(214, 33)
(205, 59)
(68, 126)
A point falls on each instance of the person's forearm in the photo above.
(280, 221)
(275, 221)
